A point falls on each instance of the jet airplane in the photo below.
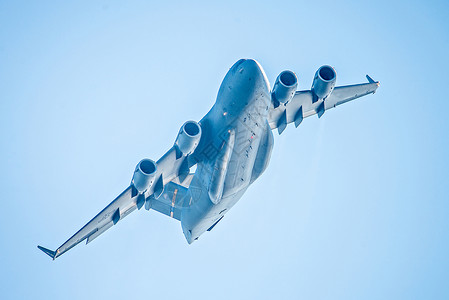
(230, 146)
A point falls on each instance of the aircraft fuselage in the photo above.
(234, 150)
(230, 147)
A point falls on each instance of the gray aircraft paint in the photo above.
(240, 112)
(231, 147)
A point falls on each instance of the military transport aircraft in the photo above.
(230, 146)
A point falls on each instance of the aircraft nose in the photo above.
(240, 83)
(238, 63)
(246, 65)
(251, 63)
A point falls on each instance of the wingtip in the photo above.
(370, 80)
(49, 252)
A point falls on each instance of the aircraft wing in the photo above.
(170, 167)
(302, 106)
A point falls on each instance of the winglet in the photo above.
(49, 252)
(370, 80)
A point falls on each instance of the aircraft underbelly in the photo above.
(230, 146)
(236, 124)
(247, 131)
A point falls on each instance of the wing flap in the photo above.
(96, 233)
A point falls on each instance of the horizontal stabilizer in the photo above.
(49, 252)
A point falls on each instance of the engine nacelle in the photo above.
(188, 137)
(324, 82)
(285, 87)
(144, 174)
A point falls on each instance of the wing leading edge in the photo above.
(302, 105)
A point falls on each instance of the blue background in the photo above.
(353, 205)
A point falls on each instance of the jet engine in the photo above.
(144, 175)
(188, 137)
(324, 82)
(285, 87)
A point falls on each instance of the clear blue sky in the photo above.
(353, 206)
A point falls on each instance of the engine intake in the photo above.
(144, 175)
(284, 88)
(188, 137)
(324, 82)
